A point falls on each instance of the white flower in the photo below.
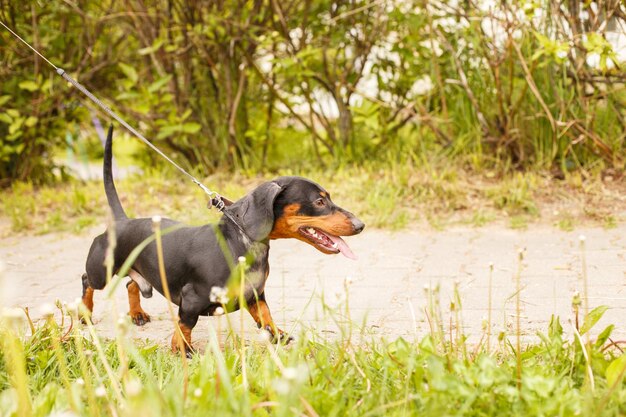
(582, 238)
(290, 373)
(241, 259)
(197, 392)
(101, 391)
(281, 386)
(133, 387)
(298, 374)
(264, 336)
(156, 219)
(218, 295)
(46, 310)
(122, 324)
(218, 311)
(73, 306)
(80, 381)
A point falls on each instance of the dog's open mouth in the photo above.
(326, 242)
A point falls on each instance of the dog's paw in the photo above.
(85, 319)
(278, 336)
(139, 318)
(177, 345)
(189, 352)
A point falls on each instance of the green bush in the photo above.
(261, 86)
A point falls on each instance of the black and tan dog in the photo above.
(195, 258)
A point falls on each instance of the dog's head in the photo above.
(294, 207)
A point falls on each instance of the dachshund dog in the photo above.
(199, 259)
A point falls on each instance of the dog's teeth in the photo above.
(335, 246)
(311, 231)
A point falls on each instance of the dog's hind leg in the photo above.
(134, 287)
(87, 299)
(136, 313)
(95, 276)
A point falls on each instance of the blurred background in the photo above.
(463, 88)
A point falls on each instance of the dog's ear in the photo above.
(255, 211)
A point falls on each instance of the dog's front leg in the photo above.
(260, 312)
(182, 335)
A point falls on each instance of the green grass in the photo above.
(392, 197)
(63, 366)
(566, 223)
(67, 368)
(482, 218)
(610, 222)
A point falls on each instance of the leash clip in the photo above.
(217, 202)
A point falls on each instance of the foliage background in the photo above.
(262, 85)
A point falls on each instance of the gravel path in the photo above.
(388, 283)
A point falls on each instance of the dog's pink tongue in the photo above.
(343, 247)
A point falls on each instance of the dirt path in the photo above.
(388, 281)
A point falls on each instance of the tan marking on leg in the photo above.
(88, 302)
(136, 313)
(88, 298)
(260, 312)
(185, 341)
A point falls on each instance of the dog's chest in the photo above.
(255, 277)
(254, 285)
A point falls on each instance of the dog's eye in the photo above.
(320, 202)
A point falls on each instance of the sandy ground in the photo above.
(389, 281)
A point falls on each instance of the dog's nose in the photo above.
(358, 225)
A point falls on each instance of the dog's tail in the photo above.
(107, 175)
